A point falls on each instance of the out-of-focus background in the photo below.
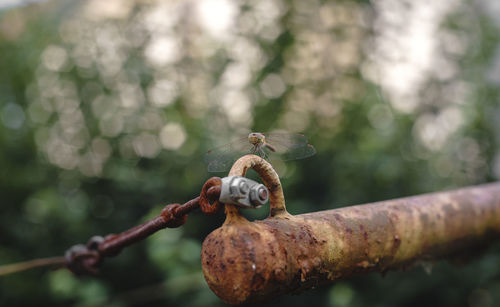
(107, 107)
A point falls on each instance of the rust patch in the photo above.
(257, 282)
(397, 242)
(273, 187)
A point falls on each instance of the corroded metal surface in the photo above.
(252, 261)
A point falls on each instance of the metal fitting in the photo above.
(243, 192)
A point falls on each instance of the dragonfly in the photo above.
(282, 146)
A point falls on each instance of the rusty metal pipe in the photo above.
(254, 261)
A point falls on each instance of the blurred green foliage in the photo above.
(107, 107)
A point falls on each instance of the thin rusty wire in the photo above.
(31, 264)
(86, 259)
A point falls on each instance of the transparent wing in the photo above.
(221, 158)
(288, 146)
(298, 153)
(283, 141)
(221, 165)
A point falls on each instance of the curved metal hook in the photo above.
(270, 179)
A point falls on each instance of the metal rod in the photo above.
(253, 261)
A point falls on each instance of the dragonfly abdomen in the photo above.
(270, 147)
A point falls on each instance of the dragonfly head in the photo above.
(256, 138)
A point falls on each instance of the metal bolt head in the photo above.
(262, 193)
(259, 195)
(238, 188)
(243, 192)
(244, 188)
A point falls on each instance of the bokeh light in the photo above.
(107, 108)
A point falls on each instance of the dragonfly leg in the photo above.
(262, 153)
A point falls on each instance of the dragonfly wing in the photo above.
(283, 141)
(289, 146)
(221, 165)
(298, 153)
(221, 158)
(234, 147)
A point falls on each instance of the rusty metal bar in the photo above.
(86, 259)
(253, 261)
